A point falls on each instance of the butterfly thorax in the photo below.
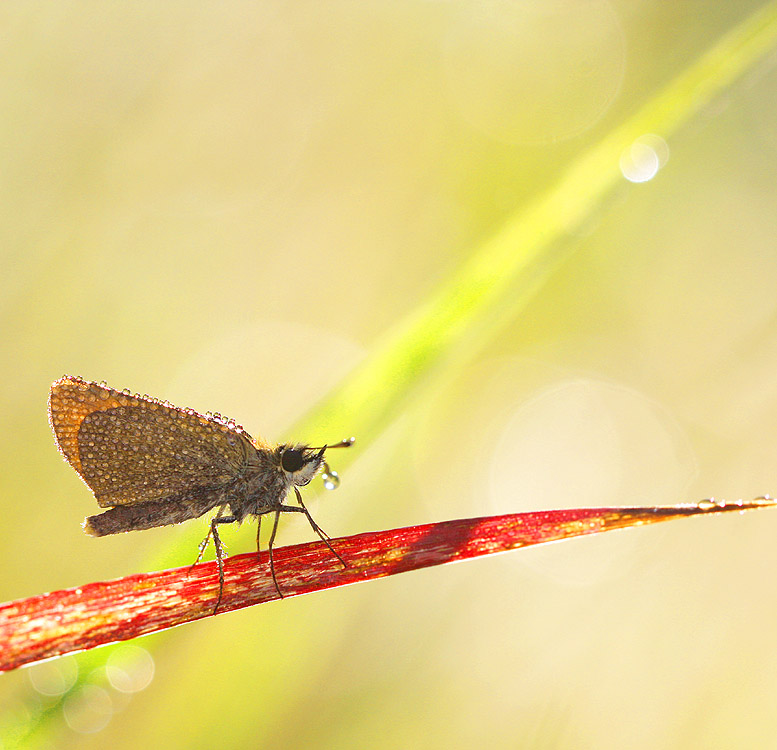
(262, 487)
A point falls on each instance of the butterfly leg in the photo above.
(321, 533)
(270, 545)
(272, 540)
(219, 551)
(204, 543)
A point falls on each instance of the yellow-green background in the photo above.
(233, 205)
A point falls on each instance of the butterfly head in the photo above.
(300, 463)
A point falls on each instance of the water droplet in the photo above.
(331, 480)
(708, 504)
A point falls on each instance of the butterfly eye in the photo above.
(291, 460)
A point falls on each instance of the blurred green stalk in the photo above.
(501, 275)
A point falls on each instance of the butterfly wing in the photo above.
(131, 449)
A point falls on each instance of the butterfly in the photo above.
(152, 464)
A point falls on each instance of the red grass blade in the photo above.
(98, 613)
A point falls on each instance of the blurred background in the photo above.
(229, 206)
